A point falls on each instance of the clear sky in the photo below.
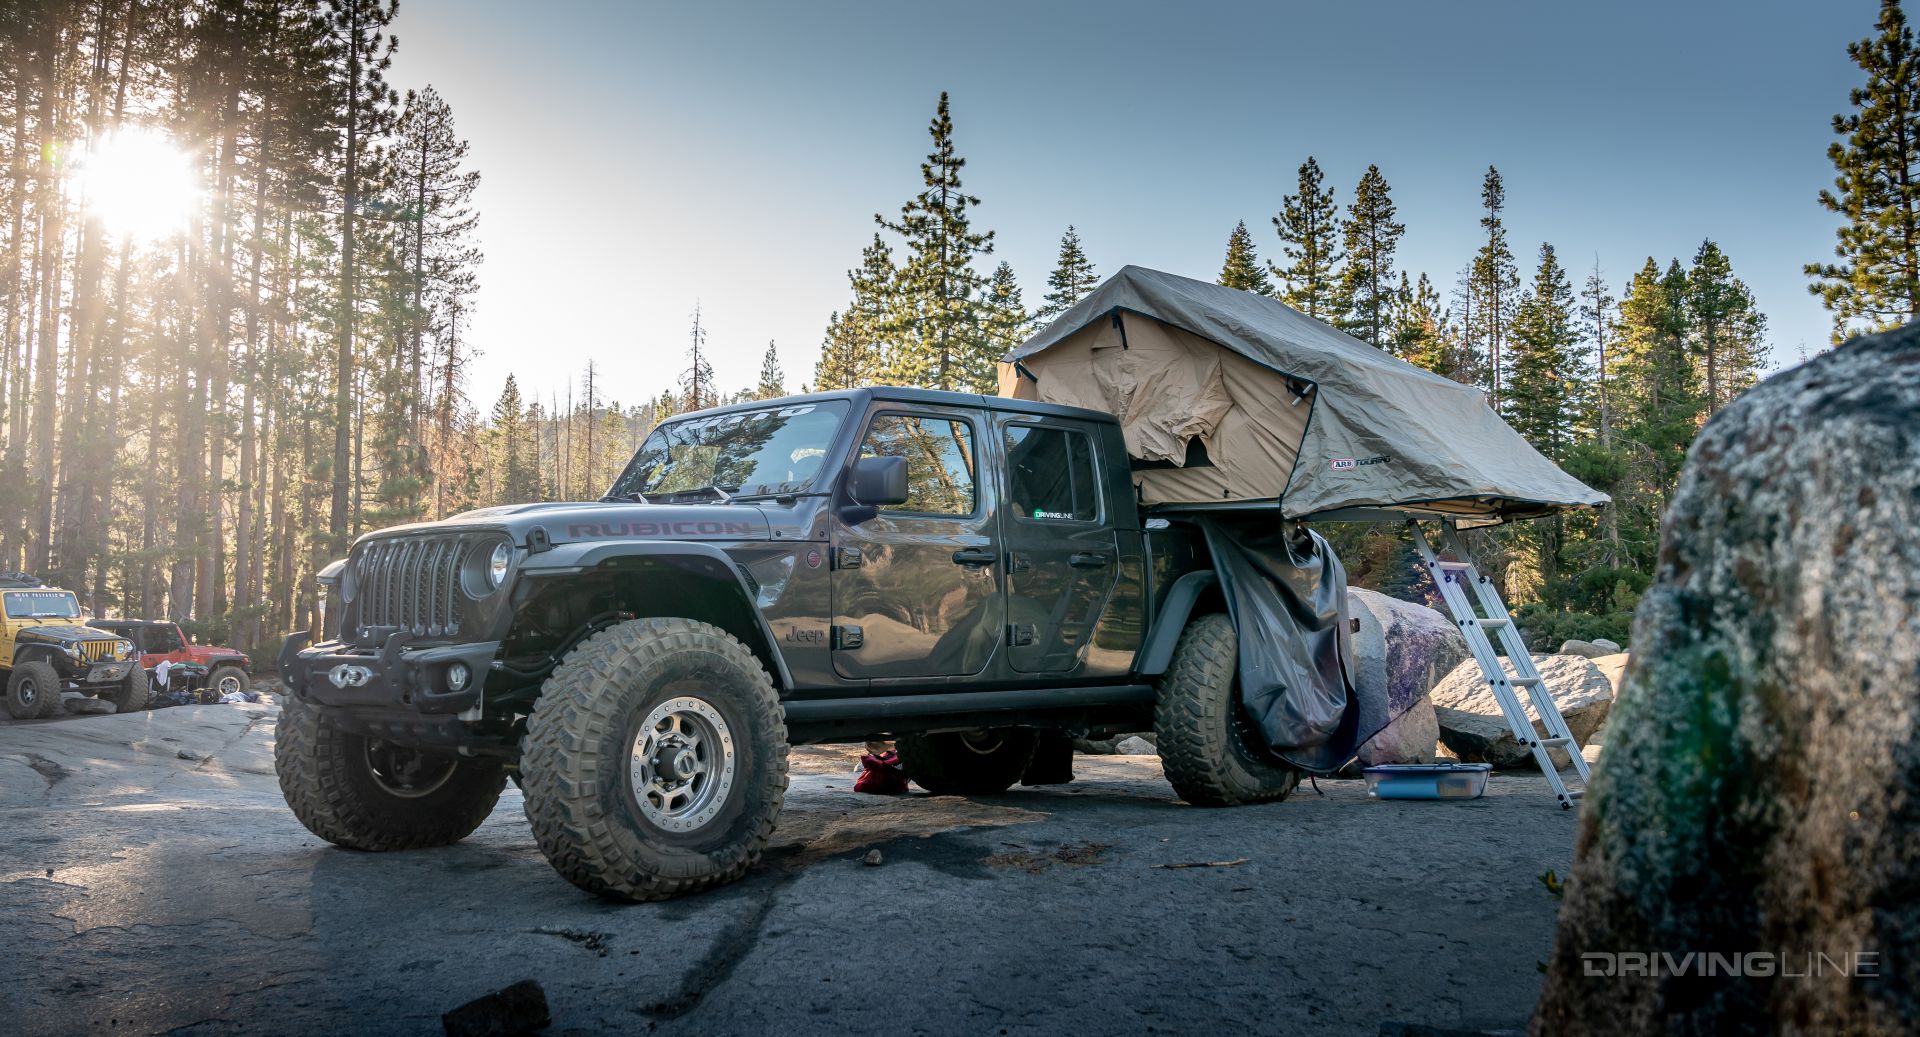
(639, 158)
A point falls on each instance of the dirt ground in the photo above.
(152, 881)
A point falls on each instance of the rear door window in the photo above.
(1050, 474)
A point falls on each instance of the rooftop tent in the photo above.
(1230, 398)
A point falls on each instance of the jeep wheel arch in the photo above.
(708, 587)
(1194, 594)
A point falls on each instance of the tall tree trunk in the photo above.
(343, 364)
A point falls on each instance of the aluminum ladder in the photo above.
(1452, 577)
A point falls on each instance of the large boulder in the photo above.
(1761, 792)
(1399, 652)
(1475, 729)
(1614, 668)
(1591, 649)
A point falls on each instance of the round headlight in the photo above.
(123, 648)
(497, 565)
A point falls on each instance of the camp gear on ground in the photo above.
(1427, 780)
(881, 775)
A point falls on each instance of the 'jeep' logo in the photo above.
(346, 675)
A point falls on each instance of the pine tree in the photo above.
(936, 334)
(1660, 409)
(365, 106)
(841, 362)
(1545, 371)
(1542, 400)
(1726, 327)
(1876, 284)
(1072, 278)
(1307, 225)
(1419, 326)
(513, 448)
(1242, 267)
(852, 354)
(773, 381)
(697, 391)
(1366, 292)
(1597, 310)
(437, 247)
(1492, 281)
(1007, 323)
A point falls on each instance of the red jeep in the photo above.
(163, 642)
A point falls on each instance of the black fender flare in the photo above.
(692, 556)
(1157, 653)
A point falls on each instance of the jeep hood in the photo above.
(63, 634)
(569, 523)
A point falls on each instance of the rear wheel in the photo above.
(655, 761)
(968, 763)
(33, 691)
(131, 695)
(365, 794)
(1209, 748)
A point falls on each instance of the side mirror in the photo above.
(874, 483)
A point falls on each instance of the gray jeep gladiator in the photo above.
(966, 574)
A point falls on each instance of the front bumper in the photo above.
(86, 673)
(393, 677)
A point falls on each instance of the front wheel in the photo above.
(1208, 746)
(227, 679)
(968, 763)
(131, 695)
(365, 794)
(33, 691)
(655, 761)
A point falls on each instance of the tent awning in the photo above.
(1230, 399)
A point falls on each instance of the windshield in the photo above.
(773, 451)
(42, 605)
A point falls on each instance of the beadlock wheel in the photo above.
(682, 764)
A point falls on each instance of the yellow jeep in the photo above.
(47, 649)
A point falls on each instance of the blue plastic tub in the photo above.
(1427, 780)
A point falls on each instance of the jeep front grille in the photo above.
(97, 651)
(413, 583)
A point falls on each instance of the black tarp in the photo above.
(1287, 594)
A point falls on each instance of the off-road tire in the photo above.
(329, 782)
(224, 671)
(131, 696)
(1209, 750)
(956, 763)
(576, 760)
(33, 691)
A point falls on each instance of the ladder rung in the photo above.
(1553, 743)
(1455, 566)
(1524, 682)
(1492, 624)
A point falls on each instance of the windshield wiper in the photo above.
(719, 492)
(636, 497)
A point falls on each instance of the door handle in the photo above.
(974, 556)
(1090, 560)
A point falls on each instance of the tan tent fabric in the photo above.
(1285, 408)
(1168, 387)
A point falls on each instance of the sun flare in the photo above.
(139, 183)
